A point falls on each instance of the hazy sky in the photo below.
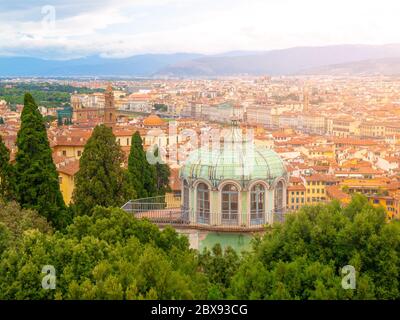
(127, 27)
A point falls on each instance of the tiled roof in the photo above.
(69, 167)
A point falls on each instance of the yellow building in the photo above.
(392, 129)
(344, 127)
(296, 197)
(320, 152)
(316, 187)
(379, 191)
(372, 129)
(389, 203)
(368, 186)
(69, 147)
(66, 173)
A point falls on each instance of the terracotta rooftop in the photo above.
(154, 121)
(334, 192)
(295, 180)
(69, 167)
(69, 141)
(299, 187)
(357, 142)
(321, 177)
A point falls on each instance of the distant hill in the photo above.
(385, 66)
(347, 59)
(280, 62)
(139, 65)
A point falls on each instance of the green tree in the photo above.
(160, 107)
(4, 238)
(101, 180)
(36, 175)
(142, 174)
(19, 220)
(7, 175)
(108, 255)
(302, 258)
(219, 266)
(163, 173)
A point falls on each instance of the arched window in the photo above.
(230, 204)
(203, 203)
(257, 204)
(185, 195)
(278, 203)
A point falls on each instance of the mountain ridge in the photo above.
(290, 61)
(282, 61)
(385, 66)
(138, 65)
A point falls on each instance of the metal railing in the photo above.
(164, 209)
(168, 210)
(229, 218)
(167, 201)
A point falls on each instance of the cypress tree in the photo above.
(141, 173)
(162, 175)
(101, 180)
(36, 175)
(7, 176)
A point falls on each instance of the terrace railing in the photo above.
(167, 210)
(160, 209)
(167, 201)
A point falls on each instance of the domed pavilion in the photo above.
(235, 184)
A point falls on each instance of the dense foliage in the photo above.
(19, 220)
(108, 255)
(7, 174)
(46, 94)
(302, 258)
(111, 255)
(101, 180)
(37, 183)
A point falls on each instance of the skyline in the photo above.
(122, 28)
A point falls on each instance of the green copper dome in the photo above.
(236, 159)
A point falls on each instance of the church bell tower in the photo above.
(109, 118)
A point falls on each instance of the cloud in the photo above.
(125, 27)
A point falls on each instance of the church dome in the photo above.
(153, 121)
(236, 159)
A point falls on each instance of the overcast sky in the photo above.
(121, 28)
